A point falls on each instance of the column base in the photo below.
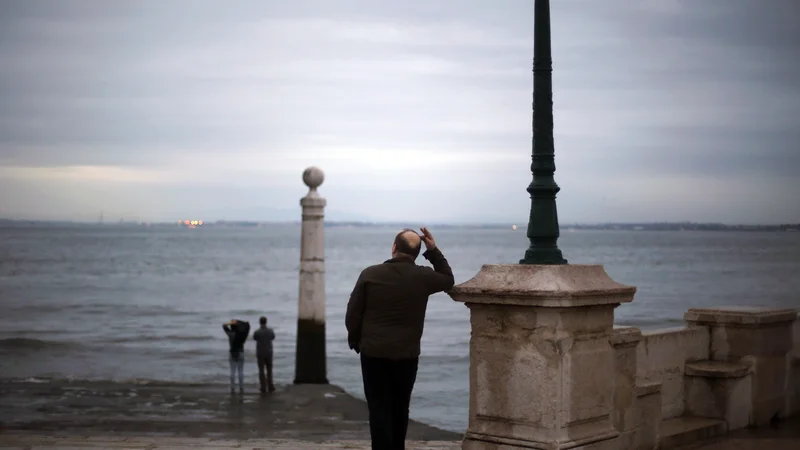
(310, 364)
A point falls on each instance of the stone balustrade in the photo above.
(739, 366)
(549, 370)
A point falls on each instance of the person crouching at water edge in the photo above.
(384, 320)
(237, 331)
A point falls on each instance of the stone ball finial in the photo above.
(313, 177)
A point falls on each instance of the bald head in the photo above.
(407, 242)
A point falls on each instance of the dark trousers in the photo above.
(387, 385)
(265, 362)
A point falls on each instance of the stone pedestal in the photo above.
(759, 337)
(719, 390)
(310, 357)
(541, 364)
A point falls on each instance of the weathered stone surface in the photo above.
(549, 286)
(637, 406)
(541, 360)
(793, 387)
(793, 372)
(760, 337)
(784, 435)
(313, 177)
(682, 431)
(719, 390)
(796, 337)
(647, 388)
(717, 369)
(661, 358)
(648, 402)
(739, 315)
(624, 341)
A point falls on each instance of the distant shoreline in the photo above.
(633, 226)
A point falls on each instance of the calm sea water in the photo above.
(148, 304)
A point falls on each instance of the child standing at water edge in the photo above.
(237, 331)
(264, 337)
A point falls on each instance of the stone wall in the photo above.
(793, 370)
(661, 358)
(796, 335)
(637, 403)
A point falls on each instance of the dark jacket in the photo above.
(386, 311)
(237, 335)
(264, 337)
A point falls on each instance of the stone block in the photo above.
(793, 389)
(793, 372)
(661, 358)
(719, 390)
(530, 379)
(648, 406)
(730, 342)
(624, 341)
(760, 337)
(567, 286)
(542, 365)
(684, 431)
(733, 332)
(796, 337)
(769, 387)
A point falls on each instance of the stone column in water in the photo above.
(310, 367)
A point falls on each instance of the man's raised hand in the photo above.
(427, 238)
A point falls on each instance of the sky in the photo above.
(418, 111)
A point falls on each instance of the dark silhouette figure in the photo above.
(264, 337)
(237, 331)
(385, 318)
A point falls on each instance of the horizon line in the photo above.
(396, 222)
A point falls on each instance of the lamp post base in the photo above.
(543, 256)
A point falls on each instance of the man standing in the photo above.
(264, 337)
(385, 317)
(237, 331)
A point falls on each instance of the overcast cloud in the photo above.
(417, 110)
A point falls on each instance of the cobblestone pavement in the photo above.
(36, 442)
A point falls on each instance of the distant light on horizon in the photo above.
(191, 223)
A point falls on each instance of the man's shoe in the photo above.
(272, 388)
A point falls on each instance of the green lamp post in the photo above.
(543, 222)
